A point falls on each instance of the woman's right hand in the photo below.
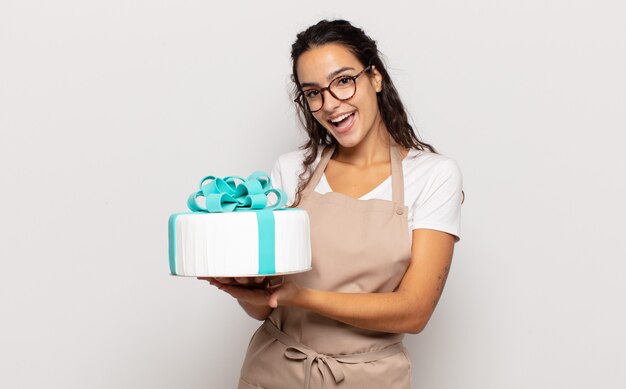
(248, 290)
(252, 293)
(241, 281)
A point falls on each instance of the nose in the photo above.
(330, 102)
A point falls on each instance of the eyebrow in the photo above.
(330, 77)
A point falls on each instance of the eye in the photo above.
(344, 80)
(311, 93)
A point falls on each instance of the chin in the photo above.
(348, 140)
(347, 143)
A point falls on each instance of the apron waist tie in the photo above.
(325, 363)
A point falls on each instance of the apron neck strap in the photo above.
(397, 177)
(319, 170)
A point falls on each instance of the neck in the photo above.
(373, 149)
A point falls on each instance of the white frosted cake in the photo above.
(251, 240)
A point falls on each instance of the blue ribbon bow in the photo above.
(225, 195)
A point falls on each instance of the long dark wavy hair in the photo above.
(391, 108)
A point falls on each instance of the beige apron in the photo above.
(358, 246)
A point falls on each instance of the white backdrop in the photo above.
(111, 111)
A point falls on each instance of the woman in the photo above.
(382, 243)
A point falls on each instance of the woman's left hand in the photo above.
(287, 294)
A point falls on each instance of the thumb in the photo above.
(273, 300)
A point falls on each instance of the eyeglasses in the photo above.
(342, 88)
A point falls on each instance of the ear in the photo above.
(377, 79)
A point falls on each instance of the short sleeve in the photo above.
(439, 205)
(285, 173)
(276, 176)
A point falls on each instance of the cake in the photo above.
(233, 231)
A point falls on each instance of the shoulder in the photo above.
(290, 160)
(424, 165)
(286, 171)
(291, 163)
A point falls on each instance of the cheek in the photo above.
(319, 119)
(368, 105)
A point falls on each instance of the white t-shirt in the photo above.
(432, 187)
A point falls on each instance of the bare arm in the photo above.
(406, 310)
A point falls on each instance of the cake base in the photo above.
(244, 275)
(239, 244)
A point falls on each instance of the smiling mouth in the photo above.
(343, 121)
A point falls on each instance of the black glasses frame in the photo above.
(301, 100)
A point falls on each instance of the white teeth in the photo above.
(340, 118)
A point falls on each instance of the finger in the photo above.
(275, 282)
(225, 280)
(255, 296)
(242, 280)
(259, 280)
(273, 300)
